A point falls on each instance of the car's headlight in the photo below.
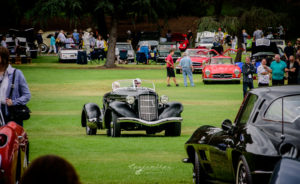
(207, 73)
(130, 99)
(164, 99)
(236, 72)
(183, 45)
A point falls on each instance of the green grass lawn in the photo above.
(59, 92)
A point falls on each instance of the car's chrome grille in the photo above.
(148, 107)
(222, 75)
(197, 64)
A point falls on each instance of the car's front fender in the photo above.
(122, 109)
(90, 112)
(172, 109)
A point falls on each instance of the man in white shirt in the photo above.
(263, 73)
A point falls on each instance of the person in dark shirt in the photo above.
(190, 38)
(248, 71)
(169, 36)
(292, 70)
(289, 50)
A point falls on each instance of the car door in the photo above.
(224, 142)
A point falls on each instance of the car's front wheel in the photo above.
(243, 174)
(198, 175)
(173, 129)
(115, 127)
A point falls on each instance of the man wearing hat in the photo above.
(186, 66)
(39, 40)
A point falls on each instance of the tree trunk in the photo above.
(110, 59)
(240, 38)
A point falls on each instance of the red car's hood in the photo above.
(221, 68)
(199, 59)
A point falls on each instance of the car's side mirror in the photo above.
(226, 125)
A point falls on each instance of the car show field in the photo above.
(59, 91)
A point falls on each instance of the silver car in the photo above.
(125, 46)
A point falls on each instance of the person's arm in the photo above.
(23, 90)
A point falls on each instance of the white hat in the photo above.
(138, 80)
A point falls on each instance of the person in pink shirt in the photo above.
(170, 68)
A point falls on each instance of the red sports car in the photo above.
(221, 68)
(14, 149)
(198, 57)
(182, 41)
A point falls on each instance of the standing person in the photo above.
(190, 38)
(61, 39)
(170, 68)
(257, 34)
(219, 36)
(39, 40)
(233, 43)
(278, 69)
(245, 36)
(289, 50)
(292, 70)
(248, 71)
(76, 37)
(263, 73)
(20, 94)
(169, 36)
(3, 42)
(86, 42)
(186, 66)
(52, 44)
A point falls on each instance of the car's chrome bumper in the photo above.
(222, 79)
(149, 123)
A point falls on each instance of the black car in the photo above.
(286, 171)
(133, 105)
(265, 49)
(266, 128)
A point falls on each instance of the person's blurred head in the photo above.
(138, 82)
(291, 59)
(75, 30)
(50, 169)
(244, 30)
(171, 51)
(247, 59)
(4, 38)
(263, 61)
(4, 57)
(62, 31)
(289, 43)
(277, 58)
(219, 29)
(184, 54)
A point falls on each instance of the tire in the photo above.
(243, 174)
(88, 130)
(44, 48)
(173, 129)
(115, 127)
(198, 173)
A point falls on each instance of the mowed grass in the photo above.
(59, 92)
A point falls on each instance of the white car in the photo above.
(125, 46)
(205, 39)
(68, 55)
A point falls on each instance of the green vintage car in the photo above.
(163, 50)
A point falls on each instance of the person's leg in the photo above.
(54, 49)
(245, 86)
(190, 74)
(250, 84)
(174, 79)
(168, 81)
(281, 82)
(184, 74)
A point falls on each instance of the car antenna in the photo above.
(282, 121)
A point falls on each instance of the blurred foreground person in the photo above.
(50, 169)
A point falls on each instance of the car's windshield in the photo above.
(216, 61)
(123, 46)
(166, 47)
(133, 84)
(196, 53)
(207, 40)
(291, 109)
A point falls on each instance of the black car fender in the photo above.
(90, 111)
(172, 109)
(122, 109)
